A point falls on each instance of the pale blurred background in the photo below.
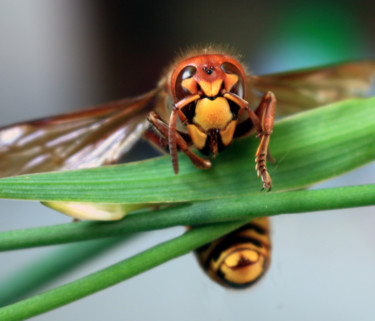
(57, 56)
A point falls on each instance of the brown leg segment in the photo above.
(155, 139)
(172, 139)
(163, 128)
(172, 133)
(255, 119)
(262, 119)
(266, 112)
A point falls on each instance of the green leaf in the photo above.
(47, 268)
(205, 212)
(116, 273)
(308, 147)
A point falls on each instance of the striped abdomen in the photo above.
(240, 258)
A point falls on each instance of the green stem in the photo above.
(56, 263)
(227, 209)
(116, 273)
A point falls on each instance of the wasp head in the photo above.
(207, 75)
(211, 119)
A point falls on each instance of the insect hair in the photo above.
(198, 50)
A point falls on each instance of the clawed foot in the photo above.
(267, 182)
(262, 172)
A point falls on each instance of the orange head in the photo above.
(208, 74)
(211, 120)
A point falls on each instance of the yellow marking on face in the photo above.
(212, 114)
(190, 84)
(211, 89)
(197, 136)
(230, 81)
(228, 132)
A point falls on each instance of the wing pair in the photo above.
(309, 88)
(103, 134)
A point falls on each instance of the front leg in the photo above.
(266, 112)
(163, 128)
(172, 133)
(262, 120)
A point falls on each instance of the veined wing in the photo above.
(304, 89)
(88, 138)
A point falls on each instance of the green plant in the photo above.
(308, 147)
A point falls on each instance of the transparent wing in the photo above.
(92, 137)
(304, 89)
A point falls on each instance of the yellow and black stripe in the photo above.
(240, 258)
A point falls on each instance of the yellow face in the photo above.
(212, 116)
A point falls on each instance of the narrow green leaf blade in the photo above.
(309, 147)
(116, 273)
(198, 213)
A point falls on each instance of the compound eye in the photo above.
(188, 72)
(231, 69)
